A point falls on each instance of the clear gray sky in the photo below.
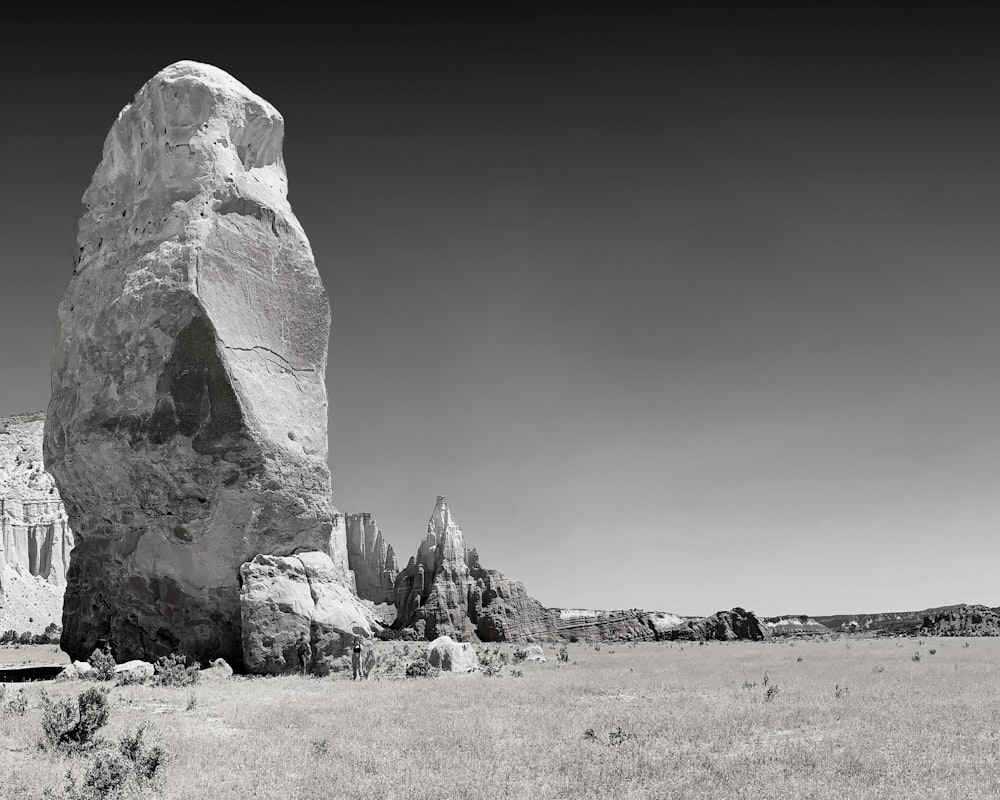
(682, 309)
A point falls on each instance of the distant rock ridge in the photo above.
(796, 625)
(370, 558)
(445, 591)
(963, 620)
(35, 536)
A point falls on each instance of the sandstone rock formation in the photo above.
(534, 652)
(370, 558)
(451, 656)
(795, 625)
(187, 425)
(218, 670)
(445, 591)
(283, 596)
(963, 620)
(723, 626)
(35, 537)
(628, 625)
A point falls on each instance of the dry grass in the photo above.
(666, 721)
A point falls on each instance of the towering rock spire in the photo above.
(187, 425)
(445, 591)
(372, 561)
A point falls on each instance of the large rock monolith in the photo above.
(187, 425)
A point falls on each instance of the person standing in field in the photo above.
(304, 652)
(356, 657)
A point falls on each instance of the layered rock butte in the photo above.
(187, 425)
(35, 536)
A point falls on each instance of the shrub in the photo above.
(173, 670)
(563, 654)
(8, 637)
(932, 651)
(519, 655)
(597, 647)
(490, 664)
(15, 706)
(24, 638)
(420, 667)
(125, 771)
(841, 692)
(103, 664)
(618, 736)
(517, 673)
(70, 726)
(771, 693)
(878, 668)
(915, 656)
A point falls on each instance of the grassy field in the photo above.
(650, 721)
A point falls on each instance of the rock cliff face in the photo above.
(444, 591)
(187, 425)
(963, 621)
(722, 626)
(796, 625)
(35, 537)
(371, 560)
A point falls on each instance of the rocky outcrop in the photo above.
(187, 425)
(886, 623)
(795, 625)
(444, 591)
(371, 560)
(724, 626)
(35, 536)
(962, 621)
(283, 596)
(448, 655)
(629, 625)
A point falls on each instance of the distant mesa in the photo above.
(36, 539)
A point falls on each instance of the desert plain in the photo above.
(844, 717)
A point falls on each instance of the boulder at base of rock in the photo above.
(534, 652)
(218, 670)
(137, 669)
(451, 656)
(283, 596)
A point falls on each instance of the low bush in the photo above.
(174, 670)
(125, 771)
(71, 726)
(420, 667)
(103, 664)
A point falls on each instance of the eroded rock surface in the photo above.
(35, 536)
(283, 596)
(723, 626)
(187, 426)
(370, 558)
(450, 656)
(444, 591)
(975, 620)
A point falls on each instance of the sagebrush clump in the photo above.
(173, 670)
(71, 726)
